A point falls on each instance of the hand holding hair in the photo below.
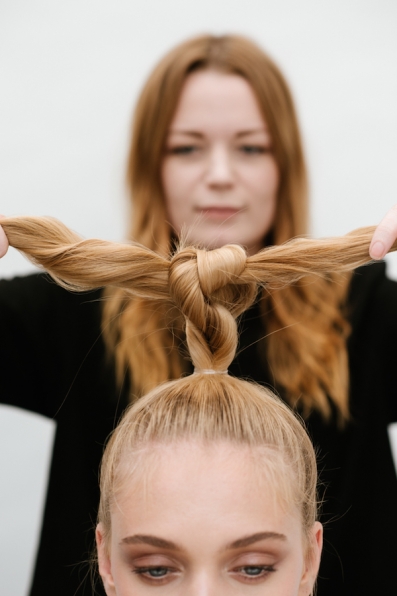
(211, 288)
(84, 264)
(385, 234)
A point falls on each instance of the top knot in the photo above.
(220, 267)
(206, 287)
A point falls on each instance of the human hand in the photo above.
(384, 235)
(3, 241)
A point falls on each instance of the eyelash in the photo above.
(183, 150)
(254, 149)
(146, 570)
(264, 570)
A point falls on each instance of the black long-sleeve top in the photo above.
(53, 361)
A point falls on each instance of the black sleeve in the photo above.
(373, 343)
(45, 334)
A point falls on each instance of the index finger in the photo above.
(384, 235)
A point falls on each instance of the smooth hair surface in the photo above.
(83, 264)
(305, 319)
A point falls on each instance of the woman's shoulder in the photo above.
(372, 343)
(38, 292)
(35, 305)
(371, 291)
(40, 282)
(47, 335)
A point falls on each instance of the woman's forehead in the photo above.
(188, 488)
(185, 469)
(208, 95)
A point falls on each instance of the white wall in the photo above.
(70, 73)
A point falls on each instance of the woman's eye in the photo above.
(254, 149)
(152, 572)
(252, 572)
(157, 572)
(183, 149)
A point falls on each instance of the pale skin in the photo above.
(3, 241)
(219, 175)
(214, 527)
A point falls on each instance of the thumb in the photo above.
(3, 240)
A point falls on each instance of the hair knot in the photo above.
(219, 267)
(206, 287)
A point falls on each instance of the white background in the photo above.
(70, 73)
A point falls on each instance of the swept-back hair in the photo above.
(210, 289)
(306, 329)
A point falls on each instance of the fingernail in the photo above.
(377, 251)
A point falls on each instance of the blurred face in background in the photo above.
(219, 175)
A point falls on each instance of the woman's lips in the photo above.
(219, 212)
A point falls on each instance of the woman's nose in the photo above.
(220, 168)
(205, 584)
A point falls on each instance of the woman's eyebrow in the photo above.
(248, 540)
(197, 134)
(252, 131)
(149, 539)
(162, 543)
(190, 133)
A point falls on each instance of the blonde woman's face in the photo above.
(220, 178)
(201, 520)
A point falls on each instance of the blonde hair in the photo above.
(306, 329)
(210, 289)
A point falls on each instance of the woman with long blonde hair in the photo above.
(216, 157)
